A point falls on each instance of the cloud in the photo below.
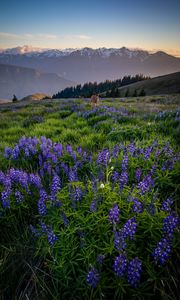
(8, 35)
(26, 36)
(83, 37)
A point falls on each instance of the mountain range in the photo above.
(84, 65)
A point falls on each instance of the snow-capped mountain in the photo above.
(87, 64)
(102, 52)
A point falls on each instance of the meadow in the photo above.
(89, 199)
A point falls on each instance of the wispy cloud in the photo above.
(83, 37)
(8, 35)
(26, 36)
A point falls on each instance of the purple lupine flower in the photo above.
(7, 152)
(26, 152)
(55, 187)
(79, 150)
(52, 238)
(35, 180)
(115, 176)
(124, 163)
(92, 277)
(166, 205)
(42, 210)
(137, 206)
(58, 148)
(146, 184)
(119, 240)
(15, 152)
(7, 182)
(123, 180)
(151, 208)
(147, 152)
(69, 149)
(94, 185)
(2, 177)
(103, 157)
(162, 251)
(34, 231)
(5, 199)
(77, 196)
(114, 214)
(72, 175)
(138, 174)
(115, 151)
(120, 265)
(130, 228)
(100, 259)
(54, 158)
(43, 227)
(157, 153)
(132, 148)
(170, 223)
(134, 271)
(93, 206)
(64, 218)
(19, 197)
(65, 168)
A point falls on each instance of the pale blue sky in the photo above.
(151, 25)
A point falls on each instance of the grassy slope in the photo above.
(167, 84)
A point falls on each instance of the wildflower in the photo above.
(72, 175)
(19, 197)
(115, 176)
(93, 277)
(170, 223)
(146, 184)
(42, 210)
(119, 240)
(35, 180)
(103, 157)
(138, 174)
(55, 187)
(64, 218)
(162, 251)
(137, 206)
(102, 185)
(43, 227)
(134, 271)
(130, 228)
(120, 265)
(166, 205)
(52, 238)
(5, 199)
(123, 180)
(7, 152)
(34, 231)
(93, 206)
(124, 163)
(114, 214)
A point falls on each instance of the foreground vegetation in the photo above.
(89, 199)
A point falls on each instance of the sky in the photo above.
(151, 25)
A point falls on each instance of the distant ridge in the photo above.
(23, 81)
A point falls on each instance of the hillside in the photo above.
(37, 96)
(24, 81)
(87, 64)
(167, 84)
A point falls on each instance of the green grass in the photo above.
(30, 268)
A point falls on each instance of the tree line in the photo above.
(108, 87)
